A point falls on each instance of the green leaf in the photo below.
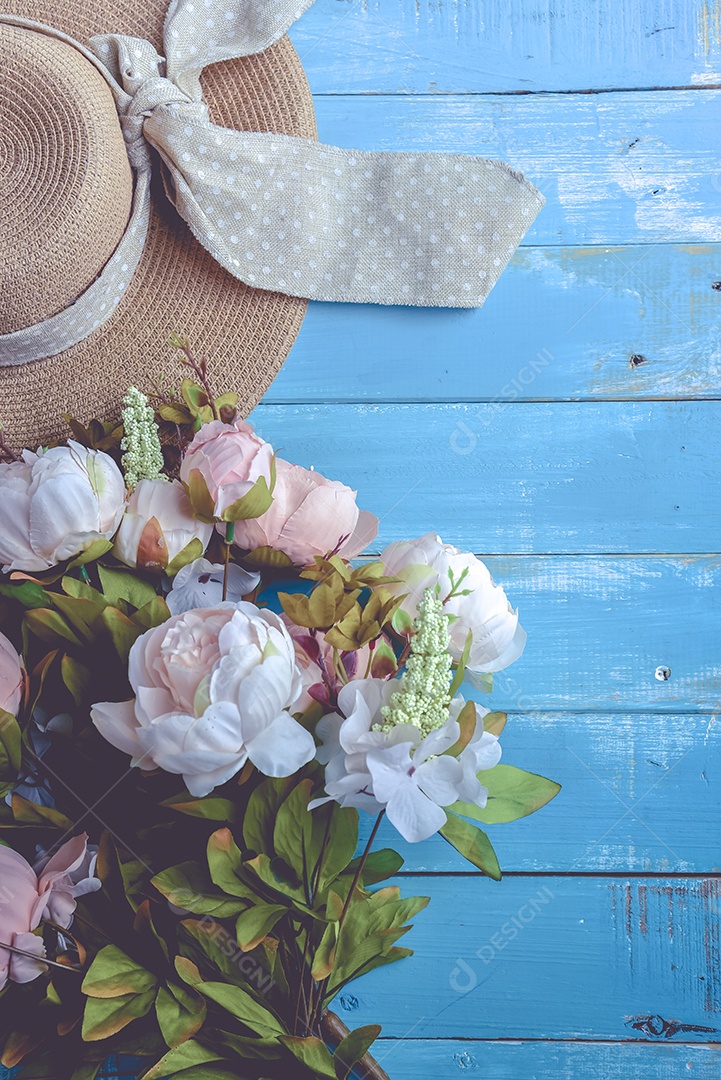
(473, 844)
(189, 888)
(28, 813)
(49, 625)
(462, 664)
(85, 1072)
(96, 551)
(115, 974)
(80, 614)
(180, 1011)
(152, 614)
(251, 505)
(173, 413)
(259, 819)
(180, 1058)
(342, 843)
(123, 632)
(324, 957)
(353, 1047)
(379, 865)
(266, 558)
(495, 722)
(11, 755)
(240, 1004)
(512, 794)
(125, 585)
(256, 923)
(104, 1017)
(312, 1053)
(210, 808)
(30, 594)
(192, 551)
(200, 497)
(225, 865)
(402, 623)
(76, 677)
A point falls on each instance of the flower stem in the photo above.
(229, 534)
(356, 878)
(40, 959)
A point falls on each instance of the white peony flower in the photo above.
(498, 638)
(410, 777)
(213, 688)
(200, 585)
(56, 504)
(157, 524)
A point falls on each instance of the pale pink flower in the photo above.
(310, 516)
(230, 458)
(157, 525)
(56, 504)
(11, 677)
(26, 900)
(480, 605)
(213, 688)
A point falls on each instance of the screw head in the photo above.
(663, 674)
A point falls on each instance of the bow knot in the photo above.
(278, 212)
(142, 87)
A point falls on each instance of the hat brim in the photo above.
(245, 333)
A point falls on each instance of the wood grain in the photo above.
(585, 958)
(616, 323)
(434, 47)
(448, 1059)
(606, 477)
(641, 793)
(617, 168)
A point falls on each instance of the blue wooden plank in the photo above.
(419, 1059)
(617, 168)
(598, 630)
(427, 47)
(625, 779)
(540, 478)
(587, 312)
(552, 958)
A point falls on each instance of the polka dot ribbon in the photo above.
(283, 213)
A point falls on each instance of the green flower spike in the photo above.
(142, 454)
(424, 696)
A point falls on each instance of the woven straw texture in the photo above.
(245, 333)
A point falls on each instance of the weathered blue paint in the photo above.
(624, 168)
(625, 779)
(466, 46)
(586, 313)
(551, 958)
(537, 477)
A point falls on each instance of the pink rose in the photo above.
(11, 677)
(314, 657)
(310, 516)
(26, 899)
(230, 458)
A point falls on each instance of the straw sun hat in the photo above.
(135, 201)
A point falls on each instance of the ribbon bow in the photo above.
(283, 213)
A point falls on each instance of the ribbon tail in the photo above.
(315, 221)
(207, 31)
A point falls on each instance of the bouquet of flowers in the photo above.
(199, 692)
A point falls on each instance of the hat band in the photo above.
(282, 213)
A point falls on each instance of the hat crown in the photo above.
(65, 181)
